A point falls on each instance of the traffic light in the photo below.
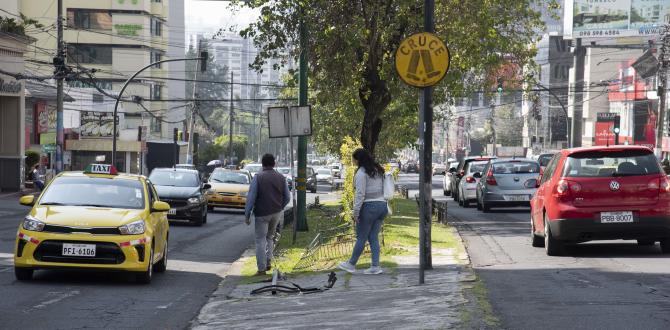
(616, 129)
(500, 85)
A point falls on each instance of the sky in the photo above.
(208, 16)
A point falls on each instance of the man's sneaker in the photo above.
(346, 266)
(374, 270)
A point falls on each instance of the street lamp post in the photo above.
(125, 85)
(567, 126)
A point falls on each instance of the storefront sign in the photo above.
(42, 116)
(96, 124)
(11, 87)
(46, 148)
(48, 138)
(127, 29)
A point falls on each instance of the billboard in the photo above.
(615, 18)
(96, 124)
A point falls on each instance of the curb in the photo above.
(227, 284)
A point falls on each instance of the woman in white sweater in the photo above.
(369, 210)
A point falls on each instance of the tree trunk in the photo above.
(375, 97)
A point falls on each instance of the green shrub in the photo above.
(348, 147)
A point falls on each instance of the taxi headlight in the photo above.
(30, 223)
(133, 228)
(244, 193)
(194, 200)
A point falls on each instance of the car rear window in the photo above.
(608, 163)
(475, 167)
(516, 167)
(544, 159)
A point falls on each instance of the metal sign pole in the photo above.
(294, 212)
(425, 177)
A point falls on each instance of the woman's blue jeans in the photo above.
(367, 230)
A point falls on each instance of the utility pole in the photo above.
(230, 118)
(662, 88)
(60, 71)
(578, 94)
(426, 156)
(194, 108)
(302, 140)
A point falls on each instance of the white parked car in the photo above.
(253, 168)
(324, 175)
(448, 176)
(467, 187)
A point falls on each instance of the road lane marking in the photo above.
(59, 296)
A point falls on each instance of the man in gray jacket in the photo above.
(267, 197)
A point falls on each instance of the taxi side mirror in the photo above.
(159, 206)
(477, 175)
(207, 186)
(27, 200)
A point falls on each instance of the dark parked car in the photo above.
(411, 168)
(184, 191)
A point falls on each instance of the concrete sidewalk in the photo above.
(391, 300)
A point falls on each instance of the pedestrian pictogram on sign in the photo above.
(422, 60)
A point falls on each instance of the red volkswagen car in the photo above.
(601, 193)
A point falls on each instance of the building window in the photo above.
(155, 57)
(97, 98)
(158, 1)
(155, 92)
(156, 27)
(156, 125)
(89, 19)
(89, 54)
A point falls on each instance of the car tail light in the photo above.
(664, 186)
(490, 179)
(470, 179)
(564, 188)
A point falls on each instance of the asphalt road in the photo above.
(600, 285)
(199, 258)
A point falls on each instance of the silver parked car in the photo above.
(507, 182)
(448, 176)
(467, 186)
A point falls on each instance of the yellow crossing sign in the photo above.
(422, 60)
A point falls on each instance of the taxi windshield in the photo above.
(174, 178)
(229, 177)
(95, 192)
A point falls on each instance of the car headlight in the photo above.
(133, 228)
(244, 193)
(194, 200)
(30, 223)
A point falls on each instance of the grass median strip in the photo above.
(400, 238)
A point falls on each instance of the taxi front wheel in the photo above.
(23, 274)
(145, 276)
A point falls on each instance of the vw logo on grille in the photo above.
(614, 186)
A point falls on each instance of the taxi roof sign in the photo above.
(422, 60)
(100, 169)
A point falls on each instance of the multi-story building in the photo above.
(237, 53)
(115, 39)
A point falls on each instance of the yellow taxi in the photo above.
(95, 219)
(229, 188)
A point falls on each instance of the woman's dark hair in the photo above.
(367, 162)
